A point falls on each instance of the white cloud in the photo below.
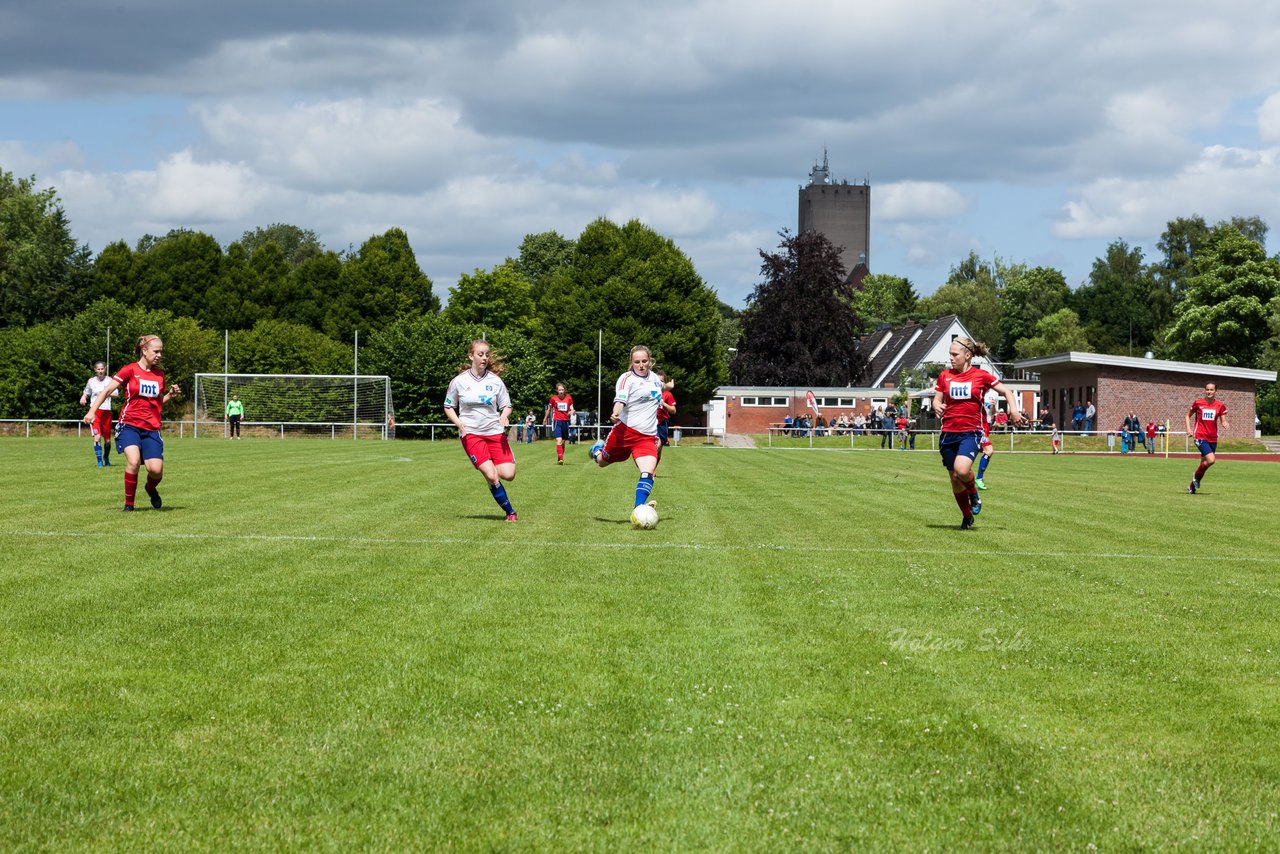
(907, 200)
(1269, 119)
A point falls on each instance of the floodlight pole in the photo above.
(226, 369)
(355, 391)
(599, 377)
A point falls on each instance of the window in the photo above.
(765, 401)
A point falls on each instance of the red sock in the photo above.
(153, 481)
(962, 499)
(560, 452)
(130, 488)
(1200, 471)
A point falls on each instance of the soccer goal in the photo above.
(308, 404)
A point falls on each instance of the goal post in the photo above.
(318, 404)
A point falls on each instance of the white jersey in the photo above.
(640, 397)
(478, 401)
(94, 387)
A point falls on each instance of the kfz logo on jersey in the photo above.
(148, 388)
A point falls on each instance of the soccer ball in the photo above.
(595, 451)
(645, 517)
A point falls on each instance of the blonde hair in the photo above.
(975, 348)
(496, 365)
(637, 349)
(144, 341)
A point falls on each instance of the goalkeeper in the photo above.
(235, 412)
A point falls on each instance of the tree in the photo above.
(636, 287)
(1059, 332)
(175, 272)
(1225, 317)
(799, 325)
(229, 303)
(1115, 304)
(972, 293)
(381, 282)
(296, 245)
(1027, 299)
(44, 273)
(280, 347)
(886, 299)
(541, 255)
(492, 300)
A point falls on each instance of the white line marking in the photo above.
(486, 541)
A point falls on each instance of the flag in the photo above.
(812, 401)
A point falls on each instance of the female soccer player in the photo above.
(478, 404)
(958, 399)
(139, 440)
(666, 408)
(1208, 412)
(636, 399)
(560, 413)
(101, 426)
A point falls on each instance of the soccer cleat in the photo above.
(596, 450)
(154, 495)
(975, 503)
(653, 504)
(1191, 488)
(99, 463)
(128, 508)
(511, 517)
(560, 461)
(967, 523)
(980, 484)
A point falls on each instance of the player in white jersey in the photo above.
(478, 404)
(637, 397)
(101, 427)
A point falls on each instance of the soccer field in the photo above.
(337, 645)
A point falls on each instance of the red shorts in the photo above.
(624, 442)
(483, 449)
(986, 437)
(102, 424)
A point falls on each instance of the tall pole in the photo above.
(108, 350)
(355, 390)
(226, 369)
(599, 377)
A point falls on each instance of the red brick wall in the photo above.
(1156, 395)
(757, 419)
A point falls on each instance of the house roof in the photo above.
(890, 351)
(1076, 359)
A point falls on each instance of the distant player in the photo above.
(665, 410)
(101, 426)
(637, 398)
(958, 398)
(984, 444)
(478, 404)
(235, 414)
(560, 412)
(1207, 413)
(145, 393)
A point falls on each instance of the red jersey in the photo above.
(962, 394)
(143, 393)
(560, 407)
(670, 400)
(1206, 417)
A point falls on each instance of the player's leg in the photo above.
(613, 449)
(97, 446)
(1208, 457)
(988, 450)
(647, 463)
(131, 447)
(104, 433)
(153, 458)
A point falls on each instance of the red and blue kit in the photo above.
(963, 393)
(143, 396)
(1206, 415)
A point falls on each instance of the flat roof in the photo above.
(1073, 358)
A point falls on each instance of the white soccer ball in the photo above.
(645, 516)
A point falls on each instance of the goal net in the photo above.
(308, 404)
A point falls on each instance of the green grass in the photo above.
(328, 645)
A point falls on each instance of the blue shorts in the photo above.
(664, 432)
(560, 429)
(148, 441)
(1206, 448)
(954, 445)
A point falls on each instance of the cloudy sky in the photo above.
(1036, 131)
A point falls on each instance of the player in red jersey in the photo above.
(1208, 412)
(957, 400)
(560, 414)
(139, 437)
(666, 408)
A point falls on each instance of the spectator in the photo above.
(860, 424)
(786, 424)
(1125, 437)
(1151, 437)
(1002, 420)
(900, 425)
(1077, 417)
(1134, 426)
(1090, 412)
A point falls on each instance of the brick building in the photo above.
(1155, 389)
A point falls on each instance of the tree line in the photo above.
(290, 305)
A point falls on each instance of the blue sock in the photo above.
(644, 486)
(97, 450)
(982, 464)
(499, 493)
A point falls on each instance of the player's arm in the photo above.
(939, 404)
(1015, 413)
(1190, 412)
(504, 417)
(1222, 419)
(171, 392)
(84, 395)
(111, 386)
